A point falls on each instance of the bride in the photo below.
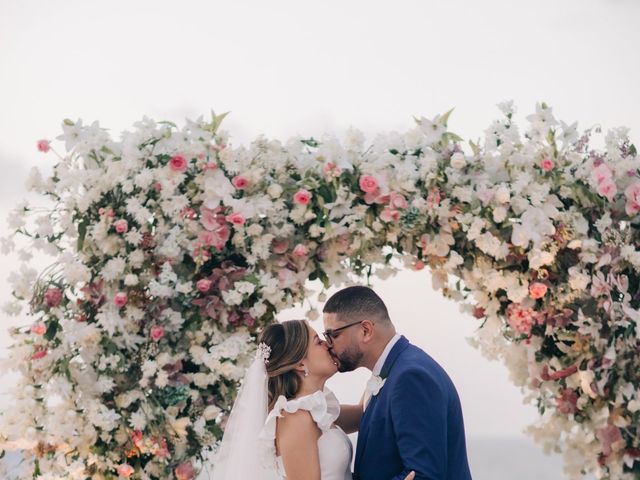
(285, 423)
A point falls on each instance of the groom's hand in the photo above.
(410, 476)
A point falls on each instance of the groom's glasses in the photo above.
(330, 334)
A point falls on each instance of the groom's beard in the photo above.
(348, 360)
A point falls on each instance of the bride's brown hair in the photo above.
(289, 342)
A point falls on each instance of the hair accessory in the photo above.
(263, 352)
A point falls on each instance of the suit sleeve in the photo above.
(419, 417)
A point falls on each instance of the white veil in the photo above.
(242, 454)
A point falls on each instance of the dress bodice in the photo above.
(334, 446)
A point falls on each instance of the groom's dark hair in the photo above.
(357, 303)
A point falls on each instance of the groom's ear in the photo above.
(367, 327)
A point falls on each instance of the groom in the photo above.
(412, 418)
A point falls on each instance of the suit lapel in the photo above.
(395, 352)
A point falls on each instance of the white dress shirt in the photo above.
(377, 368)
(375, 383)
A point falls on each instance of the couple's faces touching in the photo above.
(346, 345)
(319, 361)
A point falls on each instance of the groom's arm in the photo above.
(349, 419)
(419, 416)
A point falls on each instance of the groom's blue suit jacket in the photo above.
(413, 423)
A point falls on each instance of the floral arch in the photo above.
(173, 248)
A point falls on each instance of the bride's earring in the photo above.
(306, 372)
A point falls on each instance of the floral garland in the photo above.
(173, 249)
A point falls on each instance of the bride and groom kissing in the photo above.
(286, 424)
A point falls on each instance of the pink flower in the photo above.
(546, 164)
(331, 170)
(607, 188)
(397, 201)
(419, 265)
(38, 328)
(632, 193)
(302, 197)
(210, 166)
(519, 318)
(39, 352)
(137, 438)
(389, 215)
(178, 163)
(279, 246)
(601, 173)
(121, 225)
(240, 182)
(157, 332)
(537, 290)
(209, 218)
(125, 470)
(53, 297)
(610, 438)
(236, 219)
(300, 250)
(185, 471)
(43, 146)
(217, 238)
(203, 285)
(368, 183)
(120, 299)
(567, 401)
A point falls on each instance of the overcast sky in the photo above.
(297, 67)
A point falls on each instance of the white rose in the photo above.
(458, 161)
(274, 190)
(499, 214)
(502, 194)
(211, 412)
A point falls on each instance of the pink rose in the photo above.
(178, 163)
(210, 166)
(38, 328)
(302, 197)
(537, 290)
(39, 352)
(236, 219)
(120, 299)
(607, 188)
(397, 201)
(368, 183)
(632, 193)
(300, 250)
(519, 318)
(279, 246)
(546, 164)
(389, 215)
(43, 146)
(53, 297)
(240, 182)
(203, 285)
(419, 265)
(157, 332)
(125, 470)
(209, 218)
(121, 225)
(185, 471)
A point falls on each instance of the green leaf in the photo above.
(216, 120)
(445, 118)
(82, 233)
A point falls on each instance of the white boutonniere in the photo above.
(374, 384)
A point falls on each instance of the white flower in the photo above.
(539, 258)
(274, 190)
(138, 420)
(458, 161)
(113, 269)
(502, 194)
(577, 280)
(499, 214)
(232, 297)
(130, 280)
(245, 288)
(535, 225)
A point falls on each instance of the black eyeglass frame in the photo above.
(329, 334)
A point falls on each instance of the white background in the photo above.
(298, 67)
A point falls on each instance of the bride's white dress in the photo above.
(334, 446)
